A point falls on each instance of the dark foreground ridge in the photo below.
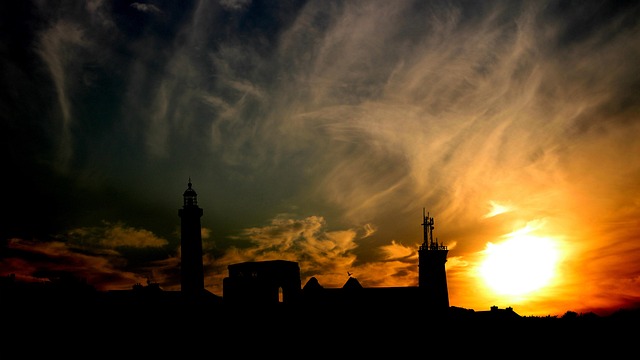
(148, 322)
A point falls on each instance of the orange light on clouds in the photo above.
(497, 209)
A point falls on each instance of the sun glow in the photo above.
(520, 265)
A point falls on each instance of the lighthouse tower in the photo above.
(191, 269)
(432, 277)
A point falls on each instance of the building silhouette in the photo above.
(262, 283)
(432, 276)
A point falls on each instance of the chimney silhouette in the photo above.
(432, 277)
(191, 268)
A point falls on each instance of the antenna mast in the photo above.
(429, 243)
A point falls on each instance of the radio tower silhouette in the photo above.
(432, 276)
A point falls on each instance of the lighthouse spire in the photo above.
(192, 269)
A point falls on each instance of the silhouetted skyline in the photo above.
(265, 304)
(316, 132)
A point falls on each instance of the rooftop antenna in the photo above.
(428, 242)
(427, 223)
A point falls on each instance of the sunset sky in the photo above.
(317, 132)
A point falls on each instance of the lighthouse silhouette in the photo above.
(191, 268)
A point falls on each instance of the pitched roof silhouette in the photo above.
(312, 284)
(352, 283)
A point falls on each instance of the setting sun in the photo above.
(520, 265)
